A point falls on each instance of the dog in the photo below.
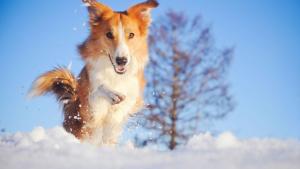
(110, 87)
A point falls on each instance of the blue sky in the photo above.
(37, 35)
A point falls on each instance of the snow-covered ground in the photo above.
(56, 149)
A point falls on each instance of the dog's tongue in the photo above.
(120, 69)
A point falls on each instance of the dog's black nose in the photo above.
(121, 61)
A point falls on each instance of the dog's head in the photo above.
(121, 37)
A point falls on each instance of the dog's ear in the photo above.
(97, 10)
(142, 11)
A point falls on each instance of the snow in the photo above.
(56, 149)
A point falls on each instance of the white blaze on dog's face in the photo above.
(122, 33)
(121, 37)
(122, 54)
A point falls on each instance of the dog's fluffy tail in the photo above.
(60, 82)
(64, 86)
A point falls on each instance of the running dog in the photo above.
(110, 87)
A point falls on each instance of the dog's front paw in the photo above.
(115, 98)
(112, 96)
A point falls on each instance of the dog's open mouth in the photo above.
(119, 69)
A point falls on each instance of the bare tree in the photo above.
(186, 79)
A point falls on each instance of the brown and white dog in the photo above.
(110, 86)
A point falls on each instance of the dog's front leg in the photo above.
(112, 96)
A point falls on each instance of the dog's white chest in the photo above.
(103, 74)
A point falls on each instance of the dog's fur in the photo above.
(100, 100)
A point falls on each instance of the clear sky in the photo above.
(37, 35)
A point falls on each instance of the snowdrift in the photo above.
(56, 149)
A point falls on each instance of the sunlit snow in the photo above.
(56, 149)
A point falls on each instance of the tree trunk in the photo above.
(174, 97)
(173, 132)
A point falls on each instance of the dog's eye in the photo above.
(131, 35)
(110, 35)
